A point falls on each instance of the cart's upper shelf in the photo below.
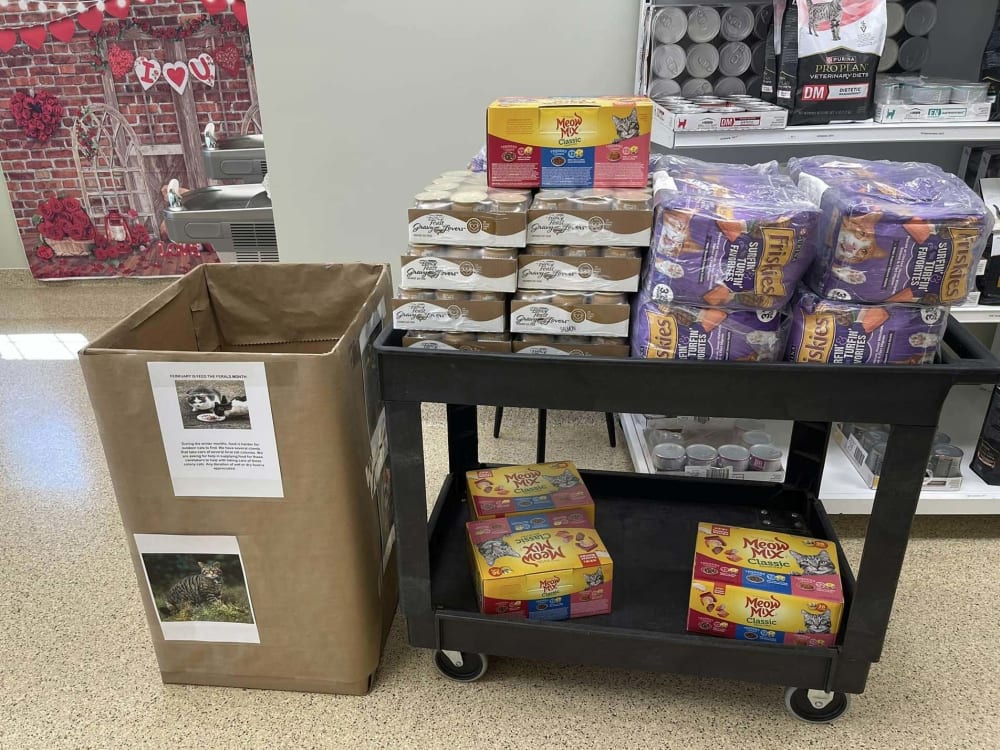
(852, 132)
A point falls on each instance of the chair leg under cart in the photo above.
(543, 419)
(649, 522)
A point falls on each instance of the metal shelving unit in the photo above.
(842, 490)
(835, 133)
(648, 522)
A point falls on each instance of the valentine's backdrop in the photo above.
(101, 105)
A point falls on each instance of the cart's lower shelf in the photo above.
(649, 526)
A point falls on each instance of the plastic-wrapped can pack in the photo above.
(677, 331)
(827, 331)
(728, 236)
(893, 231)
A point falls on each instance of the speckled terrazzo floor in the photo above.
(77, 670)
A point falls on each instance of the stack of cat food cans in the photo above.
(461, 264)
(583, 259)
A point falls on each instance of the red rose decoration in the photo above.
(120, 61)
(38, 115)
(45, 252)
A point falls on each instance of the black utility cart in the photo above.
(648, 522)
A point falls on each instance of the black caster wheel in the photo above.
(460, 666)
(816, 706)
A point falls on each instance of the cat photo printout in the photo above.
(198, 587)
(217, 428)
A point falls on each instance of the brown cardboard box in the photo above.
(309, 583)
(595, 274)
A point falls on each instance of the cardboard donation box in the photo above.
(240, 417)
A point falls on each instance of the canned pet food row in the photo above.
(731, 105)
(591, 199)
(457, 341)
(458, 208)
(735, 446)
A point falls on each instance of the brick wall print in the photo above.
(88, 148)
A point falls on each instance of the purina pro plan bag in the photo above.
(828, 59)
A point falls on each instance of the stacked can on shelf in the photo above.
(461, 264)
(907, 47)
(583, 259)
(697, 50)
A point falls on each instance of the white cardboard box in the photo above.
(892, 113)
(857, 455)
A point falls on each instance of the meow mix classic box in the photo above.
(769, 586)
(513, 490)
(546, 566)
(568, 142)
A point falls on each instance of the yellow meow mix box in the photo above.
(547, 566)
(511, 490)
(568, 142)
(752, 584)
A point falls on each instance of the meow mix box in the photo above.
(512, 490)
(546, 566)
(751, 584)
(568, 142)
(749, 614)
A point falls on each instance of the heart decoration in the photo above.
(34, 36)
(148, 71)
(214, 7)
(177, 76)
(92, 20)
(39, 114)
(227, 57)
(240, 11)
(118, 8)
(63, 30)
(202, 67)
(8, 38)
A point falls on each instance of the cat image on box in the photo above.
(203, 588)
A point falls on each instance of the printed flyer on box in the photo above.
(218, 433)
(199, 587)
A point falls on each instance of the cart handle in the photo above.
(963, 345)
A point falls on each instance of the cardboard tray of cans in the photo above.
(449, 310)
(914, 98)
(592, 216)
(711, 113)
(585, 268)
(458, 341)
(742, 449)
(479, 269)
(457, 208)
(576, 313)
(864, 446)
(581, 346)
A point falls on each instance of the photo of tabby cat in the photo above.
(817, 623)
(626, 127)
(819, 564)
(194, 587)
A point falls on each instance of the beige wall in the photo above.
(11, 250)
(387, 95)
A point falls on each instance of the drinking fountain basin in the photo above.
(236, 220)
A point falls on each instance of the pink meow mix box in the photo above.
(535, 488)
(569, 142)
(546, 566)
(768, 586)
